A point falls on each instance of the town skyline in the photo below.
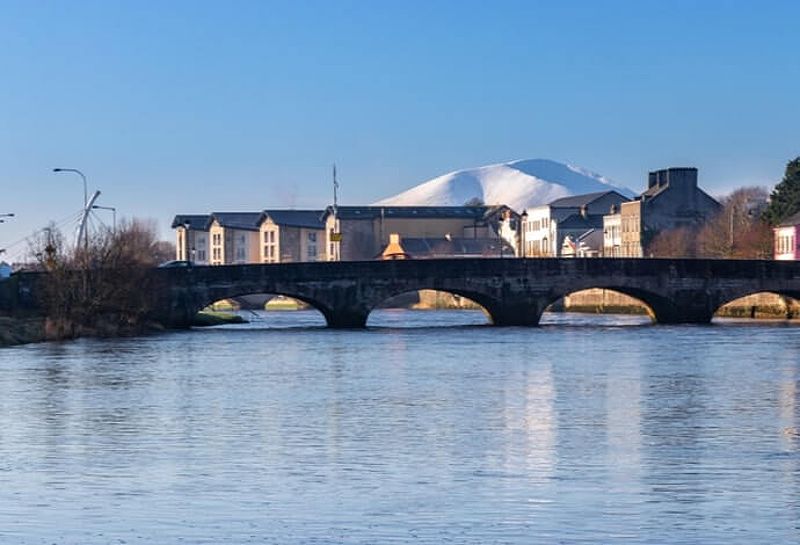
(199, 109)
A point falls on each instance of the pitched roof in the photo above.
(577, 221)
(311, 219)
(247, 221)
(576, 201)
(791, 221)
(429, 212)
(197, 222)
(455, 247)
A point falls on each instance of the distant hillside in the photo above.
(519, 184)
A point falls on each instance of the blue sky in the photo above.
(195, 106)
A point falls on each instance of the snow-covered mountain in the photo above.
(519, 184)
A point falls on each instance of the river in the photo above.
(428, 427)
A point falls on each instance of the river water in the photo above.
(589, 429)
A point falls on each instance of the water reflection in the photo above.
(588, 430)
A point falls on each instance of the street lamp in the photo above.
(85, 202)
(523, 219)
(79, 173)
(113, 211)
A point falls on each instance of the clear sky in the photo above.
(190, 106)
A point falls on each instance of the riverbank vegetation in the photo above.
(99, 287)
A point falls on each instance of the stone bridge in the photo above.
(512, 291)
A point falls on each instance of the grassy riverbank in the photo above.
(209, 318)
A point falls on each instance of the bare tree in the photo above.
(738, 230)
(680, 242)
(103, 288)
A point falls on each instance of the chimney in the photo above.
(584, 211)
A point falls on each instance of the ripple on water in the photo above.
(589, 429)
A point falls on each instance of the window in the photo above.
(312, 237)
(311, 252)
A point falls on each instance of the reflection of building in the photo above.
(786, 239)
(362, 232)
(672, 200)
(547, 226)
(445, 247)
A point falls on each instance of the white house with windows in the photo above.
(269, 236)
(292, 235)
(612, 234)
(234, 237)
(787, 242)
(545, 227)
(192, 240)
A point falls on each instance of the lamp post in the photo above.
(523, 220)
(186, 226)
(113, 212)
(85, 201)
(81, 174)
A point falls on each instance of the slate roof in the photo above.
(577, 221)
(576, 201)
(428, 212)
(454, 247)
(197, 222)
(246, 221)
(310, 219)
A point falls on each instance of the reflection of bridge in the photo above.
(513, 291)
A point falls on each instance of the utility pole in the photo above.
(336, 234)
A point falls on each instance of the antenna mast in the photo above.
(335, 191)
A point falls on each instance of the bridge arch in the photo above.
(434, 299)
(604, 301)
(205, 300)
(750, 303)
(660, 308)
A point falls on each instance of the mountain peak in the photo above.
(519, 184)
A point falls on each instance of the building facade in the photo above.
(355, 233)
(192, 238)
(612, 233)
(545, 227)
(234, 238)
(291, 236)
(269, 236)
(672, 200)
(787, 242)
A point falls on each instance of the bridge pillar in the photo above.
(522, 311)
(350, 318)
(687, 307)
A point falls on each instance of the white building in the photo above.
(192, 238)
(546, 226)
(612, 234)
